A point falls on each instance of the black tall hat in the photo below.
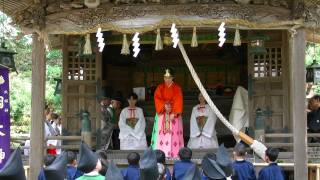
(117, 96)
(224, 160)
(58, 169)
(148, 165)
(113, 172)
(104, 92)
(216, 167)
(192, 173)
(13, 169)
(87, 161)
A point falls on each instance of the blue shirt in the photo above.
(180, 168)
(168, 174)
(73, 172)
(244, 170)
(131, 173)
(41, 175)
(271, 172)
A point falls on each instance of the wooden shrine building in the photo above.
(275, 80)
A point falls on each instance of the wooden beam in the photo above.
(37, 107)
(313, 36)
(297, 45)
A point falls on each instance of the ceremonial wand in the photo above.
(257, 146)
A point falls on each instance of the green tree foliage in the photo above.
(20, 84)
(312, 53)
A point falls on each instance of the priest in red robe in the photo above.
(168, 130)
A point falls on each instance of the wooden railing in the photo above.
(290, 137)
(22, 138)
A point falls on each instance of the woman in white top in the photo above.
(132, 126)
(202, 126)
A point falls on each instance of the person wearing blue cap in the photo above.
(132, 172)
(180, 167)
(73, 172)
(244, 170)
(272, 171)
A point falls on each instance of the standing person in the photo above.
(202, 126)
(132, 172)
(181, 167)
(167, 130)
(272, 171)
(244, 170)
(89, 163)
(132, 126)
(49, 130)
(109, 121)
(73, 172)
(164, 172)
(56, 124)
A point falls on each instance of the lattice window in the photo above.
(81, 68)
(269, 64)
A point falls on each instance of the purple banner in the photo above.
(4, 117)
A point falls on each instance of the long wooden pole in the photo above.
(297, 45)
(37, 107)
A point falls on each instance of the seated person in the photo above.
(89, 163)
(202, 126)
(132, 126)
(181, 167)
(73, 173)
(243, 169)
(132, 172)
(272, 171)
(164, 172)
(48, 160)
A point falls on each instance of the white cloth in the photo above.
(206, 139)
(132, 138)
(49, 130)
(26, 151)
(239, 115)
(58, 127)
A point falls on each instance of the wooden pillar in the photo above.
(37, 107)
(297, 45)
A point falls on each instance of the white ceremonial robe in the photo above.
(239, 114)
(206, 139)
(132, 138)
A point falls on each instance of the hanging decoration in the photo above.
(194, 40)
(100, 40)
(87, 46)
(256, 44)
(136, 44)
(159, 44)
(222, 34)
(237, 38)
(174, 35)
(313, 70)
(92, 3)
(125, 46)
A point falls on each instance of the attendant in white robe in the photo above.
(202, 127)
(239, 114)
(132, 126)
